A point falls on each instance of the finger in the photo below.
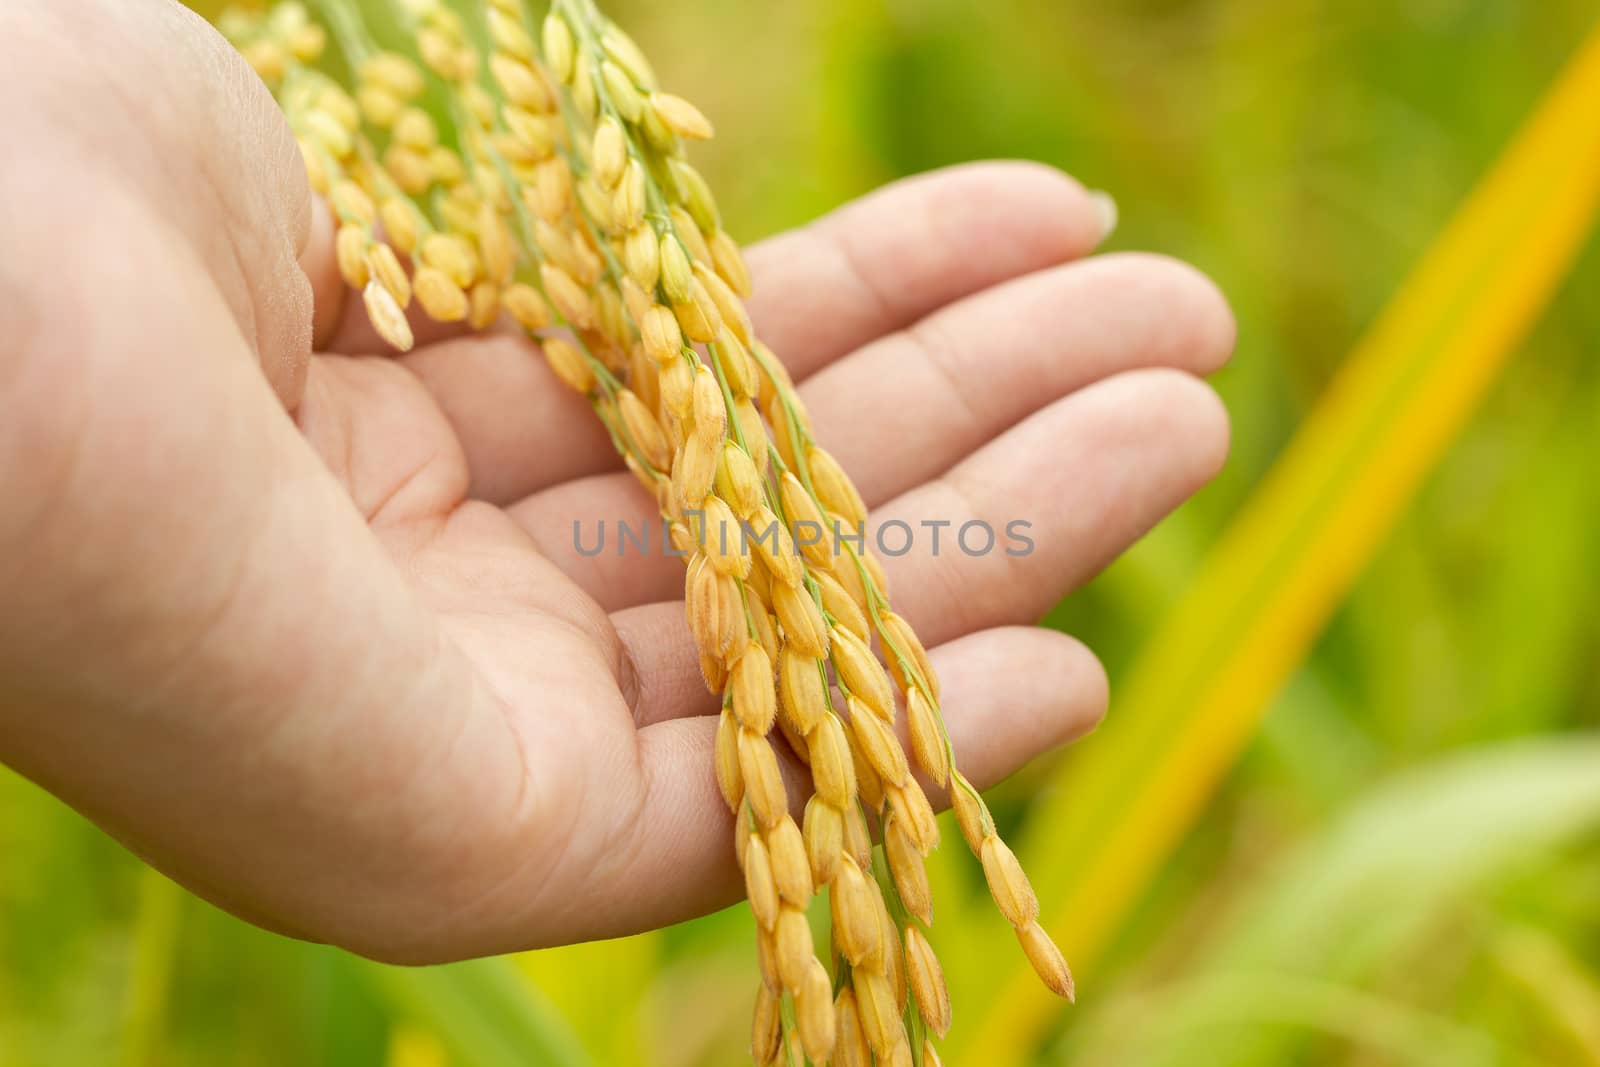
(957, 380)
(885, 261)
(605, 533)
(1009, 695)
(242, 669)
(520, 427)
(875, 265)
(1088, 476)
(907, 407)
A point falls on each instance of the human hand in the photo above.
(309, 631)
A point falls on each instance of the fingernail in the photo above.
(1106, 208)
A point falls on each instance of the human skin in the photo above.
(301, 622)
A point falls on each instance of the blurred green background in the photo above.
(1396, 872)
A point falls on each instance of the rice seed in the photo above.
(834, 488)
(927, 738)
(644, 431)
(662, 338)
(899, 1056)
(698, 470)
(568, 297)
(677, 276)
(681, 117)
(730, 780)
(1048, 962)
(483, 305)
(560, 52)
(814, 1018)
(877, 744)
(791, 868)
(527, 307)
(387, 317)
(452, 255)
(723, 539)
(926, 978)
(350, 249)
(800, 686)
(440, 297)
(385, 267)
(1009, 886)
(894, 962)
(930, 1055)
(880, 1014)
(697, 315)
(855, 915)
(677, 387)
(710, 416)
(857, 838)
(850, 1044)
(760, 884)
(861, 673)
(795, 952)
(609, 156)
(838, 603)
(802, 622)
(766, 1028)
(569, 364)
(641, 257)
(915, 813)
(895, 632)
(765, 625)
(905, 866)
(811, 529)
(707, 607)
(763, 782)
(738, 482)
(750, 684)
(775, 548)
(730, 264)
(823, 831)
(832, 768)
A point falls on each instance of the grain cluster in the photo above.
(504, 166)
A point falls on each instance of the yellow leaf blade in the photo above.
(1197, 695)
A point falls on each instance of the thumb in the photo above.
(140, 105)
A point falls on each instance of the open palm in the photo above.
(311, 631)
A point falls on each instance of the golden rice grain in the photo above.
(814, 1017)
(569, 364)
(823, 831)
(387, 317)
(766, 1027)
(730, 780)
(763, 782)
(915, 813)
(880, 1013)
(850, 1044)
(860, 672)
(1009, 886)
(803, 625)
(791, 868)
(681, 117)
(760, 884)
(926, 979)
(906, 868)
(832, 766)
(800, 687)
(792, 938)
(877, 744)
(855, 915)
(1048, 962)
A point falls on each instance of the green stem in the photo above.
(155, 942)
